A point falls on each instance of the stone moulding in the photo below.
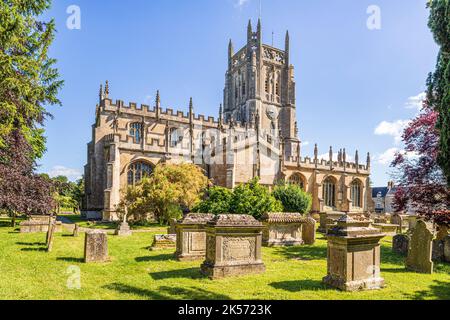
(191, 237)
(233, 246)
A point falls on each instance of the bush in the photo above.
(217, 201)
(293, 198)
(253, 199)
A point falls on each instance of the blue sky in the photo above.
(356, 88)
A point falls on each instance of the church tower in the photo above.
(260, 80)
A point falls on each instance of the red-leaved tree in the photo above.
(421, 182)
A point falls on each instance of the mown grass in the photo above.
(134, 272)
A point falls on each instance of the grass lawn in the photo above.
(28, 272)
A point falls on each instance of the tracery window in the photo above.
(136, 132)
(297, 180)
(329, 192)
(355, 193)
(137, 171)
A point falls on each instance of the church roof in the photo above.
(382, 190)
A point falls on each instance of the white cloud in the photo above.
(387, 157)
(416, 101)
(394, 129)
(72, 174)
(241, 3)
(305, 143)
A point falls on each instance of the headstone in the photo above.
(123, 230)
(400, 221)
(447, 249)
(233, 246)
(329, 219)
(164, 241)
(37, 226)
(282, 229)
(50, 236)
(400, 244)
(353, 261)
(172, 226)
(76, 230)
(412, 221)
(420, 248)
(191, 237)
(95, 246)
(437, 250)
(309, 231)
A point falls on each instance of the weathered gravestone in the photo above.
(50, 236)
(400, 244)
(400, 221)
(282, 229)
(328, 219)
(164, 241)
(191, 237)
(172, 226)
(439, 244)
(233, 246)
(76, 230)
(95, 246)
(123, 230)
(447, 249)
(309, 231)
(353, 261)
(420, 248)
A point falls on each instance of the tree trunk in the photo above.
(13, 220)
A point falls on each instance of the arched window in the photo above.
(136, 132)
(175, 137)
(329, 192)
(137, 171)
(355, 193)
(297, 180)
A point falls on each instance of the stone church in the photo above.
(255, 135)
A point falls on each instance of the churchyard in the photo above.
(133, 271)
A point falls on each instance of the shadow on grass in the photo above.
(299, 285)
(33, 249)
(302, 252)
(168, 293)
(70, 259)
(439, 290)
(31, 243)
(160, 257)
(190, 273)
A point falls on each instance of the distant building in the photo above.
(383, 198)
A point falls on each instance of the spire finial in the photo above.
(158, 105)
(331, 154)
(356, 157)
(368, 159)
(106, 95)
(316, 152)
(100, 94)
(191, 106)
(158, 98)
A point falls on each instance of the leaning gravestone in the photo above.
(233, 246)
(50, 236)
(76, 230)
(95, 246)
(353, 261)
(191, 237)
(420, 248)
(400, 244)
(309, 231)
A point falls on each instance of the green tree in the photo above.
(217, 201)
(170, 190)
(254, 199)
(439, 82)
(293, 198)
(28, 80)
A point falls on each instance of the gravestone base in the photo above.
(123, 230)
(358, 285)
(218, 272)
(164, 242)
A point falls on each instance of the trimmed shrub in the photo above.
(293, 198)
